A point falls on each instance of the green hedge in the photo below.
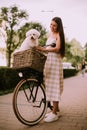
(70, 72)
(9, 78)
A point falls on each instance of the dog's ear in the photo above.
(38, 34)
(27, 33)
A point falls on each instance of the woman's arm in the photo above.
(51, 49)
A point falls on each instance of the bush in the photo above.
(8, 79)
(69, 72)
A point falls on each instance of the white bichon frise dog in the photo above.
(31, 40)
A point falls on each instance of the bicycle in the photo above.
(29, 99)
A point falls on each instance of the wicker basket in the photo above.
(29, 58)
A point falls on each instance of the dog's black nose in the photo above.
(32, 37)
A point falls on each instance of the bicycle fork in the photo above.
(33, 89)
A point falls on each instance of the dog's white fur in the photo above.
(31, 40)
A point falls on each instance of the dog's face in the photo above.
(33, 34)
(31, 40)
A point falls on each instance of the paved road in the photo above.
(73, 109)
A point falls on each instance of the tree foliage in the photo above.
(74, 52)
(15, 32)
(68, 53)
(86, 52)
(13, 16)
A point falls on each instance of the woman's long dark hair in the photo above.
(61, 33)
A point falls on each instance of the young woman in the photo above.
(53, 71)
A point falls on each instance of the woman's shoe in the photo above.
(47, 114)
(51, 117)
(58, 114)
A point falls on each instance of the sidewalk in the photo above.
(73, 108)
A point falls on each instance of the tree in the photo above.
(86, 52)
(13, 16)
(68, 53)
(74, 52)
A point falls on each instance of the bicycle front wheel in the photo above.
(29, 101)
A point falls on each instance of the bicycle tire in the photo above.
(28, 111)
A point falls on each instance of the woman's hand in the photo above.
(40, 48)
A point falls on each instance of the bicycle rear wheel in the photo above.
(29, 101)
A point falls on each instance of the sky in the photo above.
(72, 12)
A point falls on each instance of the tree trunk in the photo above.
(9, 59)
